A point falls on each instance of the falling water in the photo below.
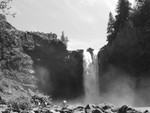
(91, 85)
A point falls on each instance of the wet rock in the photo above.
(36, 111)
(78, 111)
(146, 111)
(87, 107)
(54, 111)
(108, 111)
(90, 107)
(124, 109)
(48, 111)
(114, 109)
(97, 111)
(24, 112)
(31, 111)
(66, 111)
(71, 107)
(79, 108)
(3, 106)
(6, 111)
(131, 110)
(106, 106)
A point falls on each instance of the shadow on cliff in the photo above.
(59, 71)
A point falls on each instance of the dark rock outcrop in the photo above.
(39, 61)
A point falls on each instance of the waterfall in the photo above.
(91, 83)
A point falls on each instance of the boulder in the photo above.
(90, 108)
(105, 106)
(79, 108)
(97, 111)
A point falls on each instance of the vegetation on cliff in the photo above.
(128, 38)
(124, 63)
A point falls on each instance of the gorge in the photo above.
(34, 63)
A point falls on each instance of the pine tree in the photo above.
(110, 28)
(64, 39)
(123, 10)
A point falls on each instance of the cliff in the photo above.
(35, 61)
(124, 63)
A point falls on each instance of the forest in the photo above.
(128, 38)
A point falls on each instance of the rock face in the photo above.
(59, 71)
(16, 67)
(31, 61)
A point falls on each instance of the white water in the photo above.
(91, 85)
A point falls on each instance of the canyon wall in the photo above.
(38, 61)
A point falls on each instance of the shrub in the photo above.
(21, 103)
(41, 100)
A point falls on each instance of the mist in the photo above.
(115, 86)
(120, 88)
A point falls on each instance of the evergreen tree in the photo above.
(123, 10)
(110, 28)
(64, 39)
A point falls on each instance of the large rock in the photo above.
(91, 108)
(97, 111)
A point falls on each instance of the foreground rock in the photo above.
(90, 108)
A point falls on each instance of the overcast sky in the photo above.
(83, 21)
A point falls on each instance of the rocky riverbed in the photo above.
(40, 105)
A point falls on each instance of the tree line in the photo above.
(128, 37)
(137, 16)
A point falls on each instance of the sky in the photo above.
(84, 22)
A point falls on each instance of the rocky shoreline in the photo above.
(44, 105)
